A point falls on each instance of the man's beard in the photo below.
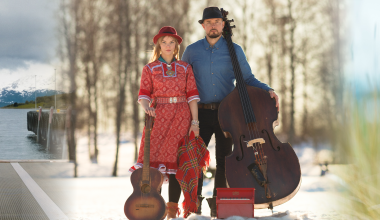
(214, 35)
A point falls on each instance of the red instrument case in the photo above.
(235, 202)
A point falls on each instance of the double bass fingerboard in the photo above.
(240, 83)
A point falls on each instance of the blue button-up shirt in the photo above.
(213, 69)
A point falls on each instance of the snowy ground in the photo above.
(97, 195)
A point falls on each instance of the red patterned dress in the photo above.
(172, 120)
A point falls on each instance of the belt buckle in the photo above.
(171, 100)
(175, 99)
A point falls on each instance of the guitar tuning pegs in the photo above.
(232, 20)
(233, 26)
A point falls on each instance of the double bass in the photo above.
(258, 160)
(146, 203)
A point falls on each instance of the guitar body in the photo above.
(145, 206)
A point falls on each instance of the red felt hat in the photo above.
(167, 31)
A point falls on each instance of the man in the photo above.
(214, 76)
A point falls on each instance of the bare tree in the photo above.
(123, 26)
(134, 79)
(270, 42)
(303, 60)
(92, 57)
(70, 28)
(292, 56)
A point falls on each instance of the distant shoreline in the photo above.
(22, 108)
(59, 100)
(30, 108)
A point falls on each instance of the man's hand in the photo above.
(274, 95)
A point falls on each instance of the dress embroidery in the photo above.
(173, 120)
(168, 70)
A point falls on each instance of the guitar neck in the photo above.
(146, 165)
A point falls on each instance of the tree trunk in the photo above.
(123, 37)
(89, 110)
(292, 72)
(269, 67)
(95, 114)
(283, 78)
(135, 91)
(71, 28)
(305, 128)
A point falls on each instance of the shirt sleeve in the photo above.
(146, 85)
(249, 78)
(186, 56)
(191, 86)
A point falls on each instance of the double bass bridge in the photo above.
(254, 141)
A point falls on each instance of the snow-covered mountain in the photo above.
(23, 90)
(8, 97)
(29, 83)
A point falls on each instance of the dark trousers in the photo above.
(209, 125)
(174, 189)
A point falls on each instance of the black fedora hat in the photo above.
(211, 12)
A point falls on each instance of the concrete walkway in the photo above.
(21, 197)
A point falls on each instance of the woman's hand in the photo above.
(149, 110)
(195, 129)
(194, 114)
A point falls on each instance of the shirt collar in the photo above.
(217, 45)
(162, 60)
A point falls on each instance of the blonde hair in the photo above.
(157, 50)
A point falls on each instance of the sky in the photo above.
(28, 42)
(363, 66)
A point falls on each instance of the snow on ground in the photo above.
(107, 152)
(103, 196)
(106, 157)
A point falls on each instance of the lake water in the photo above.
(16, 142)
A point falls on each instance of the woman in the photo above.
(169, 85)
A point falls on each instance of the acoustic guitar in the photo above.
(146, 203)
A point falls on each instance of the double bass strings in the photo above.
(245, 101)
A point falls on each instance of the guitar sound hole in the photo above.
(145, 188)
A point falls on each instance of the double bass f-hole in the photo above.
(270, 140)
(241, 148)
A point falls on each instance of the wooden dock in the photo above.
(49, 127)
